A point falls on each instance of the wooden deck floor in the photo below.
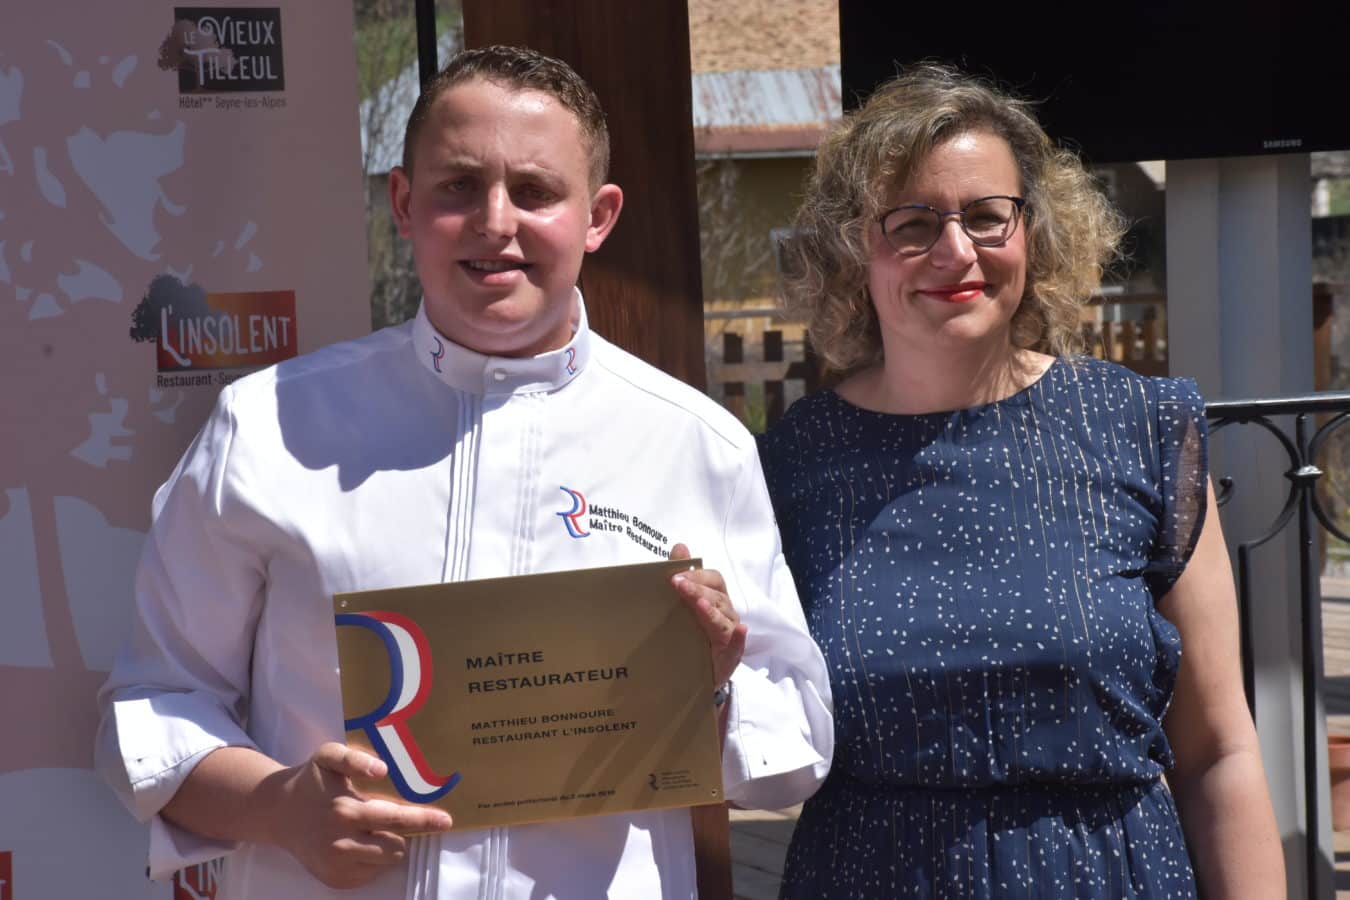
(759, 839)
(759, 842)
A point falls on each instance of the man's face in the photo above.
(500, 212)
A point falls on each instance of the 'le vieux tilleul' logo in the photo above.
(196, 330)
(225, 49)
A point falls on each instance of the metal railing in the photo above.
(1302, 502)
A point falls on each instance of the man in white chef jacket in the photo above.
(479, 440)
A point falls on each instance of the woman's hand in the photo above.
(705, 592)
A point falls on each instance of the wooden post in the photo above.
(1109, 341)
(811, 369)
(1128, 340)
(1092, 339)
(643, 288)
(773, 389)
(733, 351)
(1322, 309)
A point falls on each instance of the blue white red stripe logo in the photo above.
(409, 684)
(571, 364)
(572, 517)
(437, 355)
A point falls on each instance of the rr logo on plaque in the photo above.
(533, 698)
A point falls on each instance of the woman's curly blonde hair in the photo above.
(1072, 231)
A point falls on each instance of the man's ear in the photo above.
(400, 197)
(605, 206)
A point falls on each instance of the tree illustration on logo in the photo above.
(167, 297)
(145, 318)
(183, 45)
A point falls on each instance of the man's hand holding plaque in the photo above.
(705, 592)
(338, 835)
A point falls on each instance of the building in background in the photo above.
(766, 87)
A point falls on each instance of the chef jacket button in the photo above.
(498, 375)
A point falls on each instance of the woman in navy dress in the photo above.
(1007, 552)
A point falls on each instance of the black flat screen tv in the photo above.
(1132, 81)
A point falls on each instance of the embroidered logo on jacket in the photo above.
(572, 517)
(583, 520)
(409, 684)
(437, 355)
(571, 360)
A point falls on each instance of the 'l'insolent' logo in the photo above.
(572, 517)
(409, 684)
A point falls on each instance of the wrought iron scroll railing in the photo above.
(1315, 418)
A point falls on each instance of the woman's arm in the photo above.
(1219, 782)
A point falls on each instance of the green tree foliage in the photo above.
(386, 48)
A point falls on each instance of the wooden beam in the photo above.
(644, 287)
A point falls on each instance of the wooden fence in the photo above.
(1138, 342)
(755, 371)
(767, 376)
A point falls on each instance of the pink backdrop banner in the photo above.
(180, 203)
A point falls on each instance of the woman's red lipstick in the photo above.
(956, 293)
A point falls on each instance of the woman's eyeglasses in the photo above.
(915, 228)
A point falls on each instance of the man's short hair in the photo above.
(519, 69)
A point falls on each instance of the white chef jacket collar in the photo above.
(473, 372)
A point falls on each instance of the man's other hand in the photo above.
(705, 592)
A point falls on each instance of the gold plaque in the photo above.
(533, 698)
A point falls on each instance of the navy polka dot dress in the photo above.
(983, 584)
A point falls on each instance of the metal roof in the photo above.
(766, 111)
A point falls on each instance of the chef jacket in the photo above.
(401, 459)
